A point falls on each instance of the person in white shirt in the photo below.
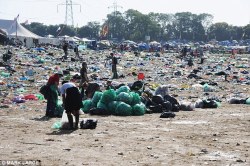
(72, 102)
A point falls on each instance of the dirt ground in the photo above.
(201, 137)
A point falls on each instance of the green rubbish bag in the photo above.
(96, 98)
(139, 109)
(135, 98)
(125, 97)
(39, 96)
(87, 105)
(123, 109)
(112, 106)
(123, 89)
(108, 96)
(102, 105)
(56, 125)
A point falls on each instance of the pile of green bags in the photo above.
(121, 102)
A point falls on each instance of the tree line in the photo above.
(133, 25)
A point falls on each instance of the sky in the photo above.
(52, 12)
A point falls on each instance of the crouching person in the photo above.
(72, 102)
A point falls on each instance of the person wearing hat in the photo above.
(72, 102)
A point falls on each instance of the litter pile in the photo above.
(121, 102)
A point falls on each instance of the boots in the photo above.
(70, 118)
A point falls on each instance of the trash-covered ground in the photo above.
(203, 136)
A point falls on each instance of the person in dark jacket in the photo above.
(72, 102)
(52, 99)
(114, 63)
(65, 49)
(76, 50)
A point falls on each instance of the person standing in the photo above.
(184, 52)
(25, 40)
(201, 54)
(65, 49)
(84, 77)
(190, 61)
(76, 50)
(83, 73)
(114, 63)
(52, 99)
(72, 102)
(233, 53)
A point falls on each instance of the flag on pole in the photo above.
(243, 35)
(58, 29)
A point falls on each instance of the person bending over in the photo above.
(72, 102)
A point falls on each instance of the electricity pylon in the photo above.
(69, 19)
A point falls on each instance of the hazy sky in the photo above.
(234, 12)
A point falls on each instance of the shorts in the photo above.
(73, 100)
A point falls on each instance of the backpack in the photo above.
(45, 91)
